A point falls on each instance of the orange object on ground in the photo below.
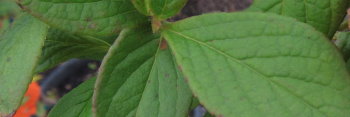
(29, 107)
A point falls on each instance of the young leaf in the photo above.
(77, 103)
(139, 78)
(260, 65)
(61, 46)
(20, 48)
(90, 17)
(324, 15)
(160, 9)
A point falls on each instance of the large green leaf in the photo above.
(61, 46)
(260, 65)
(324, 15)
(20, 48)
(77, 103)
(160, 9)
(97, 18)
(139, 78)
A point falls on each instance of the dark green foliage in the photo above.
(274, 59)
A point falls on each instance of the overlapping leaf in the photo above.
(160, 9)
(77, 103)
(20, 48)
(96, 18)
(139, 78)
(343, 43)
(254, 65)
(324, 15)
(61, 46)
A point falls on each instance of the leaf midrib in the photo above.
(248, 67)
(148, 77)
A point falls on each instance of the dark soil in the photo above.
(197, 7)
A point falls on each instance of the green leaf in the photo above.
(343, 43)
(61, 46)
(139, 78)
(4, 24)
(260, 65)
(194, 103)
(160, 9)
(324, 15)
(348, 65)
(77, 103)
(96, 18)
(20, 48)
(208, 115)
(8, 7)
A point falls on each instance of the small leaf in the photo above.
(160, 9)
(77, 103)
(260, 65)
(343, 43)
(61, 46)
(139, 78)
(20, 48)
(97, 18)
(324, 15)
